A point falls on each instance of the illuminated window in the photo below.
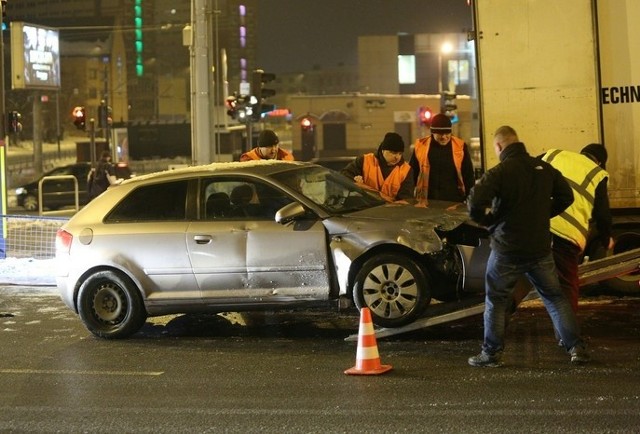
(458, 71)
(407, 69)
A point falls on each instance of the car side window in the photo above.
(158, 202)
(240, 199)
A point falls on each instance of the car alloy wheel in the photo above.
(394, 288)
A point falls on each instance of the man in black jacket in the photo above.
(515, 200)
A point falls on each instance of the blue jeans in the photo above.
(502, 273)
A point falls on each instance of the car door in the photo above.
(243, 256)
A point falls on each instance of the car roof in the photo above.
(256, 167)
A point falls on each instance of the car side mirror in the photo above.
(289, 212)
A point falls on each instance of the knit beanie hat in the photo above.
(441, 124)
(596, 151)
(267, 139)
(392, 142)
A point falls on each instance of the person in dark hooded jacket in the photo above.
(386, 171)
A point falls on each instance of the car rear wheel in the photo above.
(110, 305)
(394, 288)
(30, 203)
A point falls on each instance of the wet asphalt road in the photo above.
(284, 373)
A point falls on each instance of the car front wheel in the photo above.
(110, 305)
(394, 288)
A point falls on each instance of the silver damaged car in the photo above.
(259, 235)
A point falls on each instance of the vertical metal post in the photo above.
(3, 124)
(58, 121)
(92, 141)
(217, 96)
(200, 89)
(3, 141)
(37, 132)
(105, 110)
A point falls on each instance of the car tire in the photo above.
(110, 305)
(30, 203)
(394, 287)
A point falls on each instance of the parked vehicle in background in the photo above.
(260, 235)
(575, 82)
(60, 193)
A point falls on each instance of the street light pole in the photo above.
(3, 141)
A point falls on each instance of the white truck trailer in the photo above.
(565, 74)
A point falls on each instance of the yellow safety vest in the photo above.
(584, 176)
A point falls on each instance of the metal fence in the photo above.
(30, 236)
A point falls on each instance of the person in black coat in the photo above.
(515, 200)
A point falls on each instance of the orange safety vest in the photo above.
(372, 176)
(421, 150)
(254, 155)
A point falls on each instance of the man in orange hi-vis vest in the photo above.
(267, 149)
(386, 171)
(443, 171)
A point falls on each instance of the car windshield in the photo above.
(335, 193)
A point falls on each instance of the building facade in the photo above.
(156, 61)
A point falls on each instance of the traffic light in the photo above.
(448, 104)
(232, 106)
(306, 124)
(424, 116)
(308, 136)
(13, 122)
(105, 115)
(240, 107)
(79, 117)
(259, 79)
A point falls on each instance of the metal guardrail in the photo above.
(31, 236)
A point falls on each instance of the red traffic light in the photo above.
(306, 123)
(425, 115)
(78, 112)
(79, 117)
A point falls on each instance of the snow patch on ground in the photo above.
(27, 271)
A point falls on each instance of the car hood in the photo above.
(399, 224)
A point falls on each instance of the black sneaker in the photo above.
(485, 360)
(579, 355)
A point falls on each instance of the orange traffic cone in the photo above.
(367, 357)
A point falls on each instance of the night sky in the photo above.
(295, 35)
